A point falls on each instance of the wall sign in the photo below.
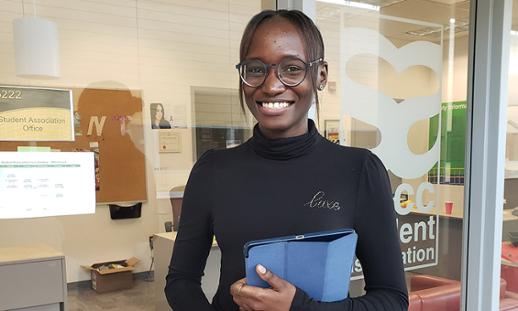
(35, 114)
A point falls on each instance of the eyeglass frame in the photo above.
(268, 66)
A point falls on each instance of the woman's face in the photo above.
(273, 41)
(159, 112)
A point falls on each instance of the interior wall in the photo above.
(513, 70)
(161, 48)
(459, 82)
(329, 26)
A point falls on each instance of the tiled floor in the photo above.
(140, 297)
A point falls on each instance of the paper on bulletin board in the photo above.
(169, 142)
(33, 149)
(41, 184)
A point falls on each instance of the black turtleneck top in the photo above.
(267, 188)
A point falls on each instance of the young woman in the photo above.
(285, 180)
(157, 117)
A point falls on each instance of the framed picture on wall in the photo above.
(170, 142)
(331, 130)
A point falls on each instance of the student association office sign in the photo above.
(35, 114)
(417, 221)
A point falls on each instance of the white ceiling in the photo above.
(431, 11)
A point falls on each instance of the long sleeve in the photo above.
(378, 249)
(193, 242)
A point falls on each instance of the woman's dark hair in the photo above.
(162, 124)
(153, 108)
(314, 44)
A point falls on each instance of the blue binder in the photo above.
(319, 263)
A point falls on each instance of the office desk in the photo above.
(508, 215)
(32, 278)
(163, 248)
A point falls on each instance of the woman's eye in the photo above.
(255, 70)
(292, 69)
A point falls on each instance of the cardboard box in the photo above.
(112, 275)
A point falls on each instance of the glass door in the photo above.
(398, 73)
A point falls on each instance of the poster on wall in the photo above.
(41, 184)
(331, 130)
(450, 169)
(167, 117)
(35, 114)
(110, 126)
(157, 113)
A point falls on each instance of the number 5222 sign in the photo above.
(35, 114)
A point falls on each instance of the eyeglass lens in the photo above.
(289, 71)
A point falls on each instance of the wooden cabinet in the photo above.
(32, 278)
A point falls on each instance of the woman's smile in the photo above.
(273, 107)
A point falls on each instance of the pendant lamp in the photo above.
(36, 47)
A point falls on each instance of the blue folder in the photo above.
(319, 263)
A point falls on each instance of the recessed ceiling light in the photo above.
(459, 27)
(353, 4)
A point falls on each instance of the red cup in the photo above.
(448, 207)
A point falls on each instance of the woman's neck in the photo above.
(301, 129)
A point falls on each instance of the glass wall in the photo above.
(147, 86)
(398, 86)
(509, 256)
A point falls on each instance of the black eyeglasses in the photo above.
(290, 71)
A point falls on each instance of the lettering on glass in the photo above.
(415, 198)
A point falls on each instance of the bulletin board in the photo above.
(108, 123)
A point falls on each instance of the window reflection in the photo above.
(401, 76)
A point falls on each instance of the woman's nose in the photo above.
(272, 84)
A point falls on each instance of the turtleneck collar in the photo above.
(285, 148)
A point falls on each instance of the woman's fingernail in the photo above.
(261, 269)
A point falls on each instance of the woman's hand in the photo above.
(251, 298)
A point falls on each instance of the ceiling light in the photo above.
(353, 4)
(426, 31)
(36, 47)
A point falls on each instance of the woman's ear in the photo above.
(322, 76)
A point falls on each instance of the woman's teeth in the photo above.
(276, 105)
